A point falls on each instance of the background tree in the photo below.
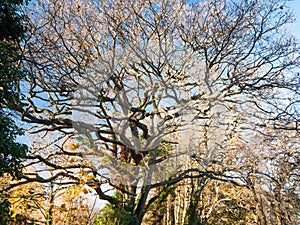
(12, 30)
(263, 196)
(37, 203)
(134, 97)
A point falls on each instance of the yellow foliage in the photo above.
(74, 146)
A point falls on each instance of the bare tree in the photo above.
(138, 95)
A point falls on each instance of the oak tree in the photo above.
(132, 97)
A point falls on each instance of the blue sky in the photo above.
(295, 6)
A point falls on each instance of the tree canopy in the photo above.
(145, 103)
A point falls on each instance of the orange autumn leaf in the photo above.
(72, 160)
(85, 191)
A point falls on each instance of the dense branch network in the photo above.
(150, 93)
